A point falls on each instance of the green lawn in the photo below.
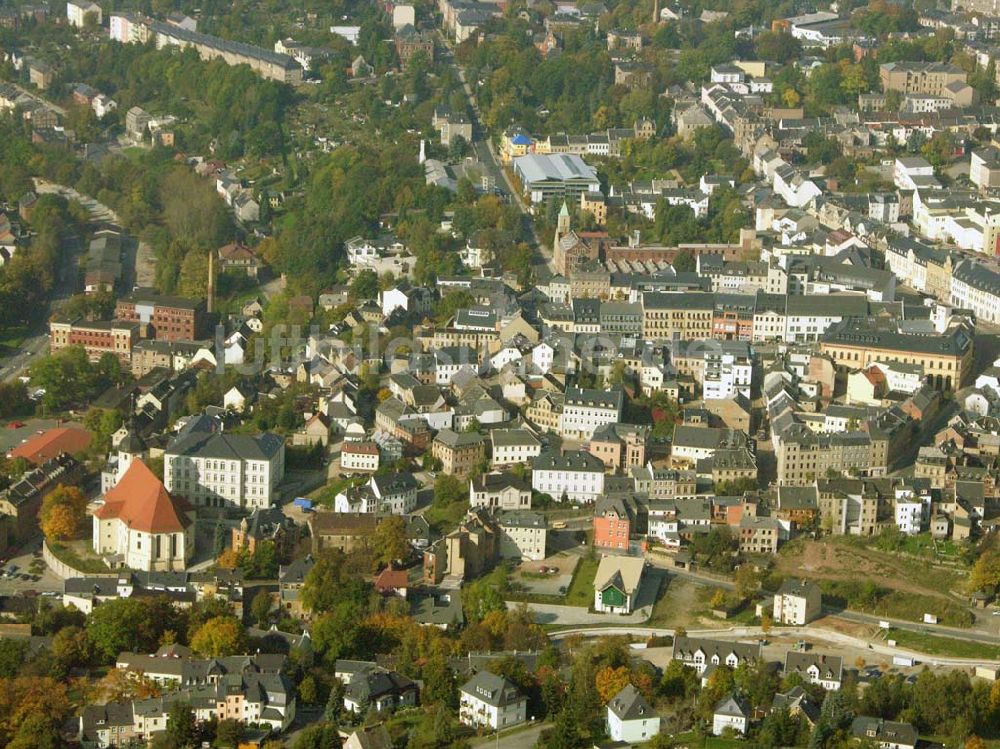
(11, 339)
(581, 589)
(937, 645)
(326, 494)
(68, 555)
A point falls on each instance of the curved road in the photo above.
(817, 633)
(976, 635)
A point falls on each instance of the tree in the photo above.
(181, 730)
(747, 581)
(31, 705)
(12, 656)
(448, 489)
(219, 637)
(70, 648)
(985, 572)
(329, 583)
(262, 564)
(439, 682)
(610, 681)
(365, 285)
(229, 733)
(63, 512)
(130, 624)
(119, 685)
(260, 608)
(766, 622)
(389, 541)
(220, 538)
(684, 262)
(307, 690)
(319, 736)
(335, 632)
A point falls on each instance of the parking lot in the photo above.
(12, 437)
(31, 573)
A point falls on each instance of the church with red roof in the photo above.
(141, 527)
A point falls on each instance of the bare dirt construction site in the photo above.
(837, 560)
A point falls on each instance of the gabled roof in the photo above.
(629, 704)
(624, 573)
(142, 502)
(44, 447)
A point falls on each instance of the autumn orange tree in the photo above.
(63, 512)
(610, 681)
(120, 685)
(31, 709)
(219, 636)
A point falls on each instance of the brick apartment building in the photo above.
(97, 338)
(170, 318)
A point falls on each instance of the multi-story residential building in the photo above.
(984, 168)
(666, 316)
(797, 602)
(613, 523)
(620, 446)
(491, 701)
(523, 535)
(585, 410)
(575, 475)
(359, 456)
(345, 531)
(664, 483)
(214, 469)
(702, 654)
(935, 78)
(728, 371)
(976, 287)
(886, 734)
(169, 318)
(131, 28)
(98, 337)
(409, 42)
(821, 669)
(759, 535)
(77, 12)
(631, 719)
(504, 491)
(459, 452)
(381, 690)
(804, 456)
(513, 447)
(691, 443)
(393, 494)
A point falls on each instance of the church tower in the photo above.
(562, 226)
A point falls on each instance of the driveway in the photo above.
(548, 613)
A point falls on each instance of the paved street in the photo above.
(978, 635)
(875, 647)
(516, 739)
(487, 156)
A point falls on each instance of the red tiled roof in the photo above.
(391, 580)
(360, 448)
(43, 447)
(142, 502)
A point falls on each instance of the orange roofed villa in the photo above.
(141, 527)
